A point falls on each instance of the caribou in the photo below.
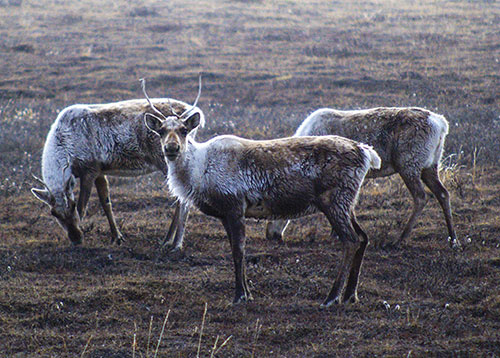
(92, 141)
(410, 142)
(233, 178)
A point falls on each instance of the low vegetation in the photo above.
(266, 66)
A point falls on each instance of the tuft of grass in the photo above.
(154, 352)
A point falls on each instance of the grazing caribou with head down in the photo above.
(232, 178)
(409, 141)
(95, 140)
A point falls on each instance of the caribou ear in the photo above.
(70, 185)
(43, 195)
(192, 121)
(153, 123)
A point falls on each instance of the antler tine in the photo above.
(195, 101)
(143, 83)
(39, 180)
(199, 92)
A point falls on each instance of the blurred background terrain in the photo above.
(266, 65)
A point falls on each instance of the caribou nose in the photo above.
(75, 235)
(172, 148)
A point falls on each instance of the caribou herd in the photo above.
(319, 169)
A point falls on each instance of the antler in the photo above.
(43, 183)
(143, 83)
(187, 111)
(39, 180)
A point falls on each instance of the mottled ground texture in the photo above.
(266, 66)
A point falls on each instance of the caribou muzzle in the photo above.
(75, 235)
(70, 222)
(171, 150)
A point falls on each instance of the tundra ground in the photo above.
(266, 66)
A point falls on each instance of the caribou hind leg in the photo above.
(349, 248)
(342, 227)
(351, 292)
(416, 188)
(430, 176)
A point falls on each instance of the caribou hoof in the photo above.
(242, 299)
(76, 242)
(353, 299)
(171, 248)
(119, 239)
(275, 237)
(394, 244)
(328, 303)
(175, 249)
(455, 244)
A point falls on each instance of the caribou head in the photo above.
(62, 206)
(173, 130)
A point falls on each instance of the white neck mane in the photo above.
(207, 167)
(185, 175)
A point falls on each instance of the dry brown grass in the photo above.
(266, 66)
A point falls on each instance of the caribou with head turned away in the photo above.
(410, 142)
(232, 178)
(94, 140)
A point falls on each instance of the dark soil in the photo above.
(266, 65)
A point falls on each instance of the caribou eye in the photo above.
(162, 132)
(55, 214)
(183, 131)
